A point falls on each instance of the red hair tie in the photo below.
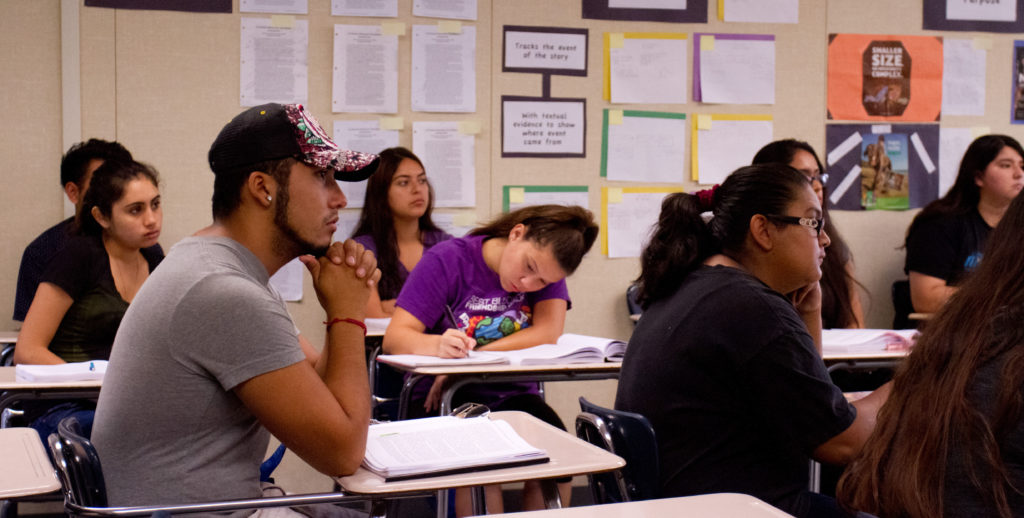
(705, 198)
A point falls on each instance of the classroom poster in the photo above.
(1017, 74)
(884, 77)
(368, 8)
(644, 146)
(545, 50)
(734, 68)
(515, 197)
(645, 67)
(885, 173)
(197, 6)
(678, 11)
(543, 127)
(974, 15)
(881, 166)
(628, 215)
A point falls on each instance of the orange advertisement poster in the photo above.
(875, 77)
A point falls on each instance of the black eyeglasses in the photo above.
(815, 224)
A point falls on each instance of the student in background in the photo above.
(726, 362)
(945, 240)
(840, 299)
(395, 224)
(950, 440)
(76, 170)
(85, 290)
(505, 286)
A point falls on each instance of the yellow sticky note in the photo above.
(707, 42)
(391, 123)
(615, 117)
(469, 127)
(286, 21)
(464, 219)
(616, 40)
(978, 131)
(614, 195)
(703, 122)
(392, 28)
(449, 26)
(982, 43)
(516, 195)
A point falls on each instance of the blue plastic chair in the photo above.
(630, 436)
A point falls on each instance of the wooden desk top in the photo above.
(569, 456)
(8, 382)
(718, 504)
(26, 466)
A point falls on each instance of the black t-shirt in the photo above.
(82, 270)
(732, 383)
(947, 247)
(961, 498)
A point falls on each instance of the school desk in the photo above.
(12, 390)
(569, 457)
(465, 374)
(8, 337)
(717, 504)
(864, 360)
(26, 466)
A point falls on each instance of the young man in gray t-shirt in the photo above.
(207, 361)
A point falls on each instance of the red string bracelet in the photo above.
(352, 321)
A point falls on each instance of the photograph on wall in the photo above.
(1017, 117)
(884, 173)
(974, 15)
(678, 11)
(881, 166)
(884, 77)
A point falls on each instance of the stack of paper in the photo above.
(866, 340)
(445, 445)
(81, 371)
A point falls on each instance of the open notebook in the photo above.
(436, 446)
(81, 371)
(866, 340)
(570, 348)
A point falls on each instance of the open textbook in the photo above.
(866, 340)
(446, 445)
(81, 371)
(570, 348)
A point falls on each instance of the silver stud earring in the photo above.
(269, 198)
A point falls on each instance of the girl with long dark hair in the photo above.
(396, 225)
(950, 440)
(945, 240)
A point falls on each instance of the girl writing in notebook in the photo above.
(726, 362)
(950, 440)
(87, 287)
(396, 225)
(505, 286)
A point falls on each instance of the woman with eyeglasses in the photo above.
(840, 298)
(946, 239)
(726, 361)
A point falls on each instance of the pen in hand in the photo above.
(462, 346)
(451, 317)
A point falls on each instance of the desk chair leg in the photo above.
(442, 503)
(815, 477)
(379, 508)
(479, 499)
(552, 499)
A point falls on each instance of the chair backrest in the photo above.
(902, 305)
(7, 355)
(385, 388)
(78, 464)
(630, 436)
(631, 304)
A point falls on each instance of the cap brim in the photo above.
(363, 170)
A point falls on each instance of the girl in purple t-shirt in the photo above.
(505, 286)
(396, 225)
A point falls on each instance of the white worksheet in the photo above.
(448, 157)
(737, 71)
(648, 70)
(647, 149)
(365, 70)
(443, 70)
(963, 77)
(376, 8)
(273, 62)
